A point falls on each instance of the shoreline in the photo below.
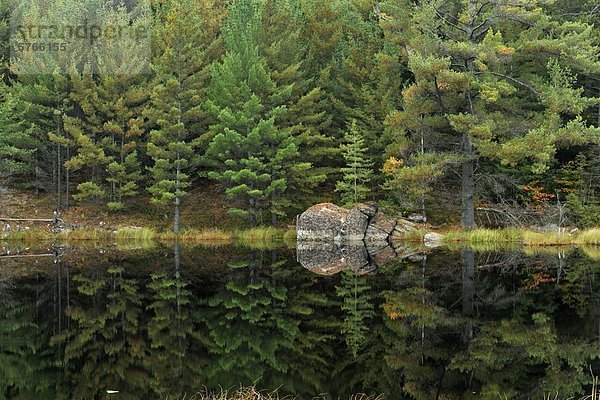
(508, 236)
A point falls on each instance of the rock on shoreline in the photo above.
(364, 222)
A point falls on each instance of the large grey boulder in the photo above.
(332, 239)
(369, 209)
(322, 222)
(364, 222)
(330, 258)
(382, 256)
(355, 255)
(355, 226)
(374, 234)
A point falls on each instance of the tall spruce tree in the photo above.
(251, 153)
(84, 123)
(43, 99)
(358, 171)
(357, 306)
(125, 98)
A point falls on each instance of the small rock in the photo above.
(546, 228)
(433, 239)
(417, 218)
(417, 258)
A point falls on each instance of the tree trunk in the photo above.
(67, 179)
(177, 215)
(58, 172)
(177, 200)
(468, 291)
(252, 212)
(273, 215)
(468, 184)
(177, 253)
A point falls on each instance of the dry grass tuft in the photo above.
(251, 393)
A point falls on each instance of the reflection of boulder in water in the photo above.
(331, 258)
(321, 258)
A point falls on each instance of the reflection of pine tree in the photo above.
(506, 354)
(358, 309)
(18, 344)
(170, 331)
(105, 346)
(421, 325)
(253, 330)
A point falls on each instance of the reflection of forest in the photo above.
(168, 321)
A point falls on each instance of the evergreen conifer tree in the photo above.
(357, 307)
(487, 83)
(251, 153)
(185, 41)
(17, 145)
(358, 172)
(284, 45)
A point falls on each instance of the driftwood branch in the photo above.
(502, 212)
(26, 255)
(27, 220)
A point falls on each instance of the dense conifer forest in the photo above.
(479, 112)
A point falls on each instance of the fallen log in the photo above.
(26, 255)
(27, 220)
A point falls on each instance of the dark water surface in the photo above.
(167, 322)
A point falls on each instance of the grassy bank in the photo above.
(524, 237)
(252, 393)
(254, 237)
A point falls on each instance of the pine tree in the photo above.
(251, 153)
(185, 49)
(491, 83)
(283, 44)
(44, 100)
(125, 97)
(358, 172)
(5, 14)
(83, 125)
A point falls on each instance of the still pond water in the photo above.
(166, 322)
